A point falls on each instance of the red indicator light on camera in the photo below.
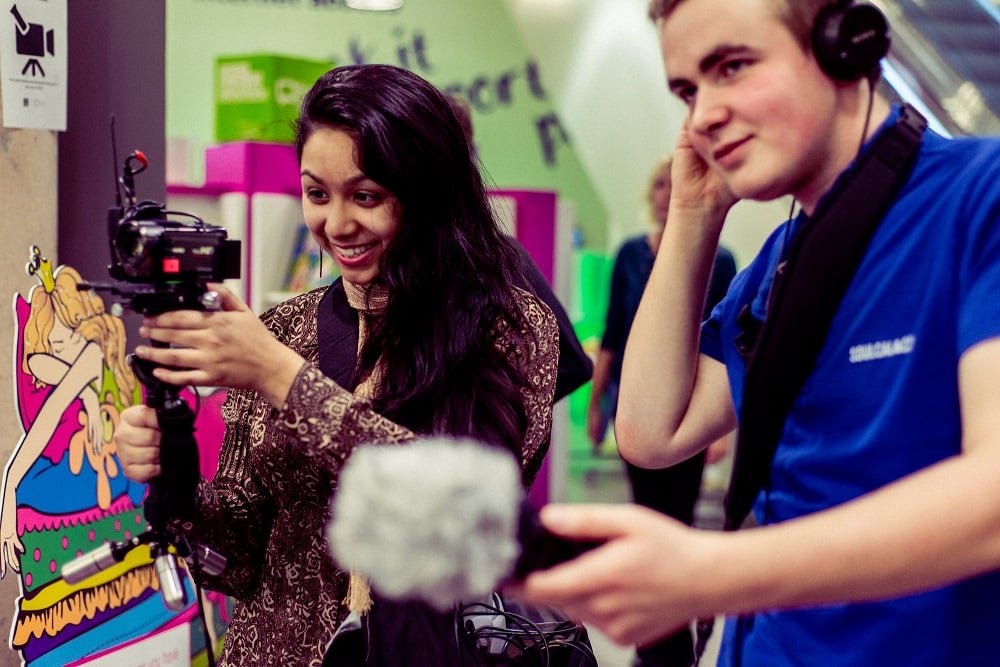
(172, 265)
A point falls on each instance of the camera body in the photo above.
(167, 257)
(147, 247)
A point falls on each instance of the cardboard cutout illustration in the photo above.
(64, 492)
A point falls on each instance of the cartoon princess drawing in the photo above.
(63, 491)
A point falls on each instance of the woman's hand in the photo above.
(227, 348)
(10, 544)
(597, 424)
(95, 422)
(137, 439)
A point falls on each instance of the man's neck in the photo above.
(857, 127)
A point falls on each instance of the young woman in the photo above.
(446, 346)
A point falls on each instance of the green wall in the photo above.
(468, 45)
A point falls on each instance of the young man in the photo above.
(881, 515)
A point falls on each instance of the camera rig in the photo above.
(163, 261)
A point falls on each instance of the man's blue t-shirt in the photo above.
(882, 403)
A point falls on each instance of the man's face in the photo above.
(760, 111)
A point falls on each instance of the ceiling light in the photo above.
(374, 5)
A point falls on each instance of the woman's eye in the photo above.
(314, 195)
(366, 198)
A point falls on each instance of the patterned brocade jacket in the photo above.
(267, 507)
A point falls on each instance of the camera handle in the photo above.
(173, 494)
(171, 499)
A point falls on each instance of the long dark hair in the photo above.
(449, 269)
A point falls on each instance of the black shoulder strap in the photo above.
(806, 292)
(337, 333)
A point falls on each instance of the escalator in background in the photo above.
(945, 57)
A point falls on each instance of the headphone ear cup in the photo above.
(850, 39)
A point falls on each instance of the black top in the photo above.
(338, 333)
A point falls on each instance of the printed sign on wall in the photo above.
(33, 64)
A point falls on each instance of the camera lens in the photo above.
(133, 245)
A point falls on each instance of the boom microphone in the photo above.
(438, 520)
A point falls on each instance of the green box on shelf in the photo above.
(257, 96)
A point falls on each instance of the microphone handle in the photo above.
(172, 589)
(540, 549)
(91, 563)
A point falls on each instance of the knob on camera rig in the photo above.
(162, 263)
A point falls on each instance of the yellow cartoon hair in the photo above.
(81, 311)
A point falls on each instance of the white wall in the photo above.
(602, 68)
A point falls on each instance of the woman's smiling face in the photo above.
(351, 216)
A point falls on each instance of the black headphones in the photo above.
(849, 40)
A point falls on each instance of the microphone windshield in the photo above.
(434, 519)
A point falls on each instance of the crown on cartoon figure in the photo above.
(41, 268)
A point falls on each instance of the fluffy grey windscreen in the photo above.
(435, 519)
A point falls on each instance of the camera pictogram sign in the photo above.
(34, 41)
(33, 64)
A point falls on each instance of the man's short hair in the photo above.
(661, 9)
(798, 15)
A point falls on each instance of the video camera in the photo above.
(168, 261)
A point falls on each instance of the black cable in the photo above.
(209, 647)
(195, 572)
(868, 114)
(525, 625)
(534, 643)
